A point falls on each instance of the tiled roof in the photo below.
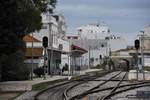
(29, 38)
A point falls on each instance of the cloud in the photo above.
(84, 10)
(121, 15)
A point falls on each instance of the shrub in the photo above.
(13, 67)
(147, 68)
(39, 71)
(99, 66)
(65, 67)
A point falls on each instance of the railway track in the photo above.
(61, 91)
(87, 92)
(57, 92)
(112, 90)
(124, 88)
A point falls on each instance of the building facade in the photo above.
(34, 56)
(54, 28)
(94, 31)
(99, 42)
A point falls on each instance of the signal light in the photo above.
(137, 44)
(45, 41)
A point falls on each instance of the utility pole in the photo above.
(142, 54)
(51, 54)
(137, 61)
(45, 45)
(44, 63)
(89, 57)
(70, 59)
(51, 47)
(31, 71)
(137, 45)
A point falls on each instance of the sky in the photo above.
(124, 17)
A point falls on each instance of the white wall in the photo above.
(147, 30)
(66, 48)
(49, 29)
(35, 44)
(94, 31)
(147, 60)
(117, 44)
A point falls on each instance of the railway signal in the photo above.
(45, 41)
(45, 45)
(137, 44)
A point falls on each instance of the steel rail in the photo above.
(65, 94)
(115, 88)
(96, 87)
(67, 83)
(127, 89)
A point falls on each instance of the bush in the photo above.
(65, 68)
(98, 66)
(13, 67)
(39, 71)
(147, 68)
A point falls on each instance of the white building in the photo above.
(147, 30)
(72, 37)
(54, 28)
(117, 42)
(49, 29)
(99, 42)
(94, 31)
(95, 48)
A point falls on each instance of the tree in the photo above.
(18, 18)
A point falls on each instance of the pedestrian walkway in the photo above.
(83, 72)
(12, 86)
(26, 85)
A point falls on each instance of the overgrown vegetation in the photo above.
(147, 68)
(41, 86)
(98, 66)
(65, 67)
(18, 18)
(39, 71)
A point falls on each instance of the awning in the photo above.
(77, 51)
(121, 56)
(139, 53)
(57, 50)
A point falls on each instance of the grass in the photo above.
(147, 68)
(40, 86)
(17, 95)
(10, 95)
